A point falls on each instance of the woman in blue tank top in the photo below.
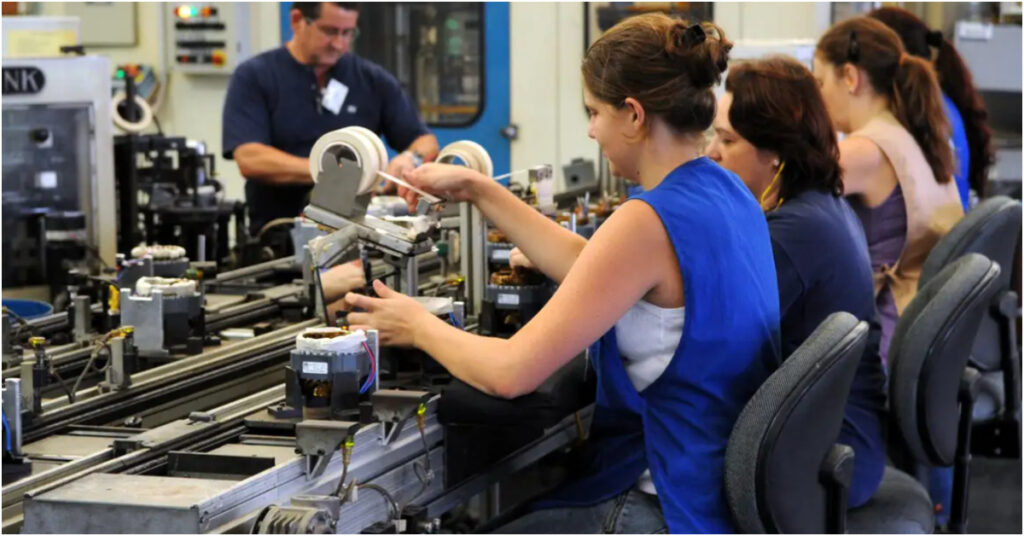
(695, 238)
(772, 129)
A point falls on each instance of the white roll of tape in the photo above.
(471, 153)
(125, 125)
(361, 144)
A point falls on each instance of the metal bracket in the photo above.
(393, 407)
(318, 440)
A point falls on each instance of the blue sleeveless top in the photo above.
(679, 425)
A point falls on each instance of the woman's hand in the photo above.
(516, 259)
(395, 316)
(444, 180)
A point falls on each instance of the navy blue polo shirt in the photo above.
(822, 265)
(274, 100)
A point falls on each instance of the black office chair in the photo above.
(931, 394)
(992, 228)
(783, 470)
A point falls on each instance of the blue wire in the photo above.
(451, 316)
(7, 433)
(369, 378)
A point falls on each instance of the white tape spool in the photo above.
(365, 146)
(470, 152)
(125, 125)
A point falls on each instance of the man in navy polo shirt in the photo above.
(281, 101)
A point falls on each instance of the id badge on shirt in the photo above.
(334, 96)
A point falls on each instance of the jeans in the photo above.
(632, 512)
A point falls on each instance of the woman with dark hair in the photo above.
(773, 131)
(684, 342)
(972, 138)
(896, 158)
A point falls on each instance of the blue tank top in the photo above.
(679, 425)
(960, 149)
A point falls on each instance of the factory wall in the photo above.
(192, 107)
(547, 46)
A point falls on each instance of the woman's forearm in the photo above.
(485, 363)
(552, 248)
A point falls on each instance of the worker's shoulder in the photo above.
(268, 61)
(357, 64)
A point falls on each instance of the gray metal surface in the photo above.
(203, 505)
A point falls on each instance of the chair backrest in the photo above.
(782, 436)
(992, 229)
(929, 351)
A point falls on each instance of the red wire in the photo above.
(373, 363)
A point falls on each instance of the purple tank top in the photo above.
(885, 228)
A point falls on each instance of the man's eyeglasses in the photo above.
(348, 34)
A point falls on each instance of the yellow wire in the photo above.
(775, 181)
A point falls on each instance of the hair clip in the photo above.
(934, 38)
(695, 35)
(853, 53)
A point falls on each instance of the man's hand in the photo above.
(398, 166)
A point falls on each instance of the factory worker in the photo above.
(281, 101)
(773, 131)
(896, 158)
(680, 291)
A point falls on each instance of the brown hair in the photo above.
(909, 82)
(666, 64)
(777, 106)
(956, 82)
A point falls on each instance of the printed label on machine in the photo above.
(508, 299)
(314, 367)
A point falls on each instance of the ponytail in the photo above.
(955, 80)
(958, 85)
(917, 103)
(908, 81)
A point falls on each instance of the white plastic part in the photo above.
(169, 286)
(328, 339)
(415, 225)
(366, 147)
(158, 252)
(470, 152)
(128, 126)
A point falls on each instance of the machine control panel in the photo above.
(209, 38)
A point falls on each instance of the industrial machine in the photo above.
(57, 170)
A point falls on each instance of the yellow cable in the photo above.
(775, 181)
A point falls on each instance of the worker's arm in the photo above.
(618, 267)
(552, 248)
(264, 163)
(860, 160)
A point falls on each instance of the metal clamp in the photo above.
(317, 440)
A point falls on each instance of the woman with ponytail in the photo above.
(896, 158)
(971, 135)
(678, 287)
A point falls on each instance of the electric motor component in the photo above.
(158, 252)
(169, 286)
